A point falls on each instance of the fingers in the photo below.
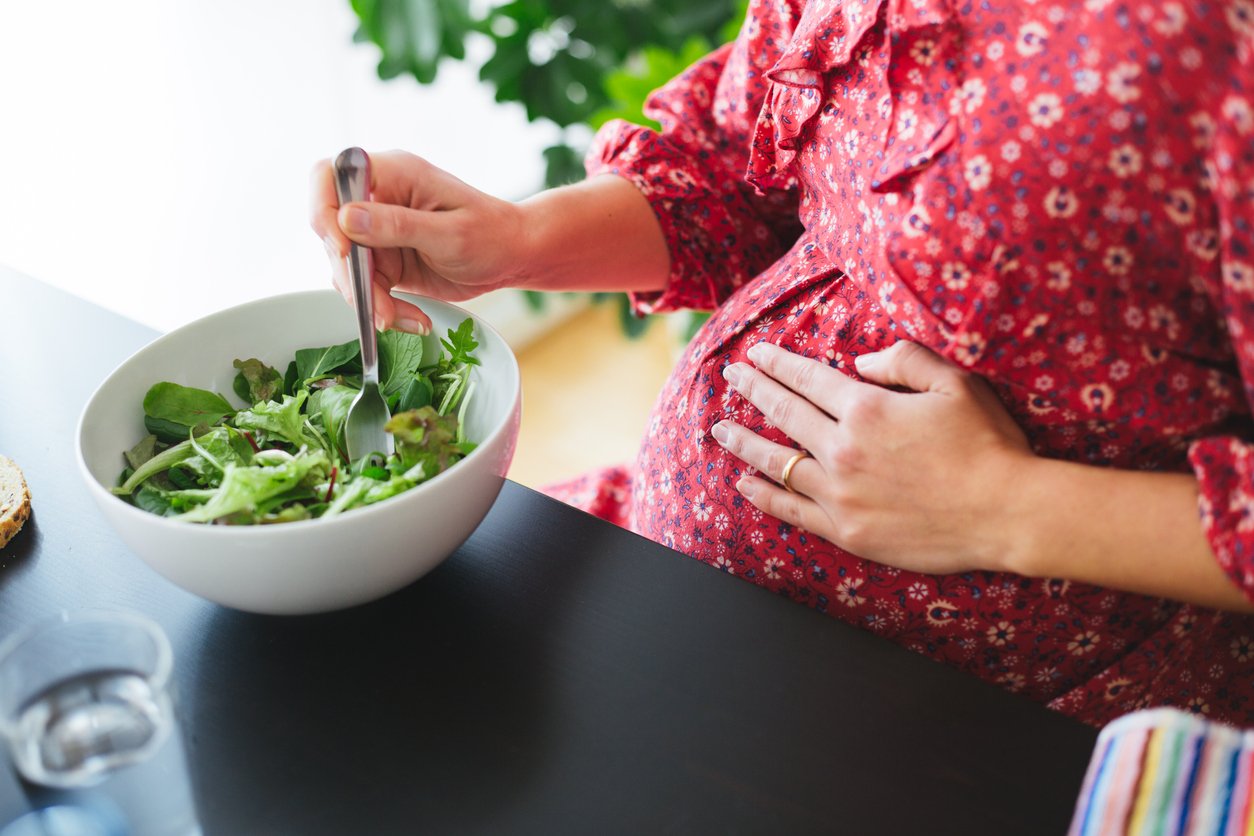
(386, 225)
(408, 180)
(389, 312)
(909, 365)
(792, 413)
(796, 508)
(768, 457)
(819, 383)
(409, 317)
(323, 205)
(793, 508)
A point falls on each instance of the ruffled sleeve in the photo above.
(721, 231)
(1225, 127)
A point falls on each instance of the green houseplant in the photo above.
(569, 62)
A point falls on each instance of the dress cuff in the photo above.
(715, 240)
(1225, 471)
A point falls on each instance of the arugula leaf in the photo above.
(400, 355)
(461, 344)
(185, 406)
(259, 381)
(317, 363)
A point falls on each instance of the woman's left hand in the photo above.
(919, 479)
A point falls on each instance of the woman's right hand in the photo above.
(431, 234)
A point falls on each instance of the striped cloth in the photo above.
(1167, 772)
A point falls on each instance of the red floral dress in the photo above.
(1055, 195)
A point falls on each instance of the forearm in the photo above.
(1121, 529)
(597, 235)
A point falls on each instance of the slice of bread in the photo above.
(14, 500)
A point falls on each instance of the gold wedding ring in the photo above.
(788, 466)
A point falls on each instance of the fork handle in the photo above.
(352, 184)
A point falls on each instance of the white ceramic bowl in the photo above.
(311, 565)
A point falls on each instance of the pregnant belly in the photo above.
(1040, 637)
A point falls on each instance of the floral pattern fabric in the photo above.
(1056, 195)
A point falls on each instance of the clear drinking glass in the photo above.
(86, 713)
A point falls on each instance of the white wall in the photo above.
(155, 154)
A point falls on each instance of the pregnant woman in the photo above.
(978, 375)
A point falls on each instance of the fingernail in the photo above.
(732, 374)
(757, 352)
(356, 220)
(379, 324)
(720, 433)
(413, 326)
(746, 488)
(866, 362)
(333, 247)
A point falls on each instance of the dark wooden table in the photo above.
(556, 675)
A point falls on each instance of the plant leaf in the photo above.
(158, 463)
(185, 405)
(400, 355)
(243, 489)
(424, 437)
(461, 344)
(142, 452)
(316, 363)
(291, 379)
(281, 420)
(332, 404)
(260, 382)
(417, 394)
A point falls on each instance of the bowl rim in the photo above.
(361, 513)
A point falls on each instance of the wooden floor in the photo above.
(587, 394)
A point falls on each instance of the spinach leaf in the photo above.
(184, 405)
(169, 503)
(170, 432)
(258, 381)
(153, 500)
(400, 354)
(316, 363)
(183, 478)
(291, 379)
(332, 404)
(142, 452)
(417, 394)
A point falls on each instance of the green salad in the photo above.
(282, 456)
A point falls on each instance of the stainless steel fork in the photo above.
(363, 427)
